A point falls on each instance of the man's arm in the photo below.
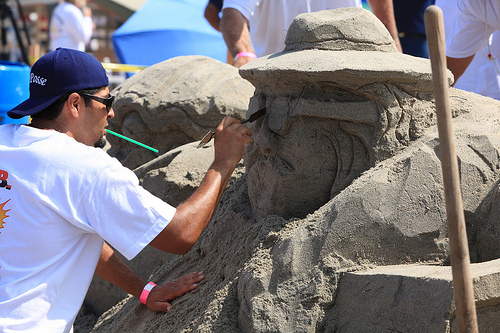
(212, 15)
(384, 11)
(113, 269)
(189, 221)
(235, 30)
(192, 216)
(79, 24)
(458, 65)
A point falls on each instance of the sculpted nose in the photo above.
(263, 139)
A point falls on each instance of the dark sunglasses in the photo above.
(106, 101)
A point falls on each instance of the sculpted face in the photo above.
(339, 99)
(305, 151)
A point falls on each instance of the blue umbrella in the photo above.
(163, 29)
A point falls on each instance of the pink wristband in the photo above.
(145, 292)
(246, 54)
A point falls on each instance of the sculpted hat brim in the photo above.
(347, 46)
(347, 68)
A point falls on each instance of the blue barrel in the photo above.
(14, 89)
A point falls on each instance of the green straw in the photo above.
(132, 140)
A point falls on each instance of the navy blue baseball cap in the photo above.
(59, 72)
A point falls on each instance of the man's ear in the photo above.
(74, 104)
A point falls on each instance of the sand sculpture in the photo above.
(173, 103)
(343, 179)
(342, 99)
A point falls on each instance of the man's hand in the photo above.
(162, 294)
(231, 138)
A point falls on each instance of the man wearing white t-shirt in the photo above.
(255, 28)
(69, 26)
(62, 200)
(480, 76)
(474, 23)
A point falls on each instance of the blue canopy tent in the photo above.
(163, 29)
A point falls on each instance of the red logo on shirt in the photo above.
(3, 180)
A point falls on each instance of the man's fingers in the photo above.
(235, 124)
(227, 121)
(174, 289)
(162, 294)
(194, 277)
(231, 131)
(159, 306)
(246, 131)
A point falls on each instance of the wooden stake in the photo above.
(459, 250)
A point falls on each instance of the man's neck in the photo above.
(45, 124)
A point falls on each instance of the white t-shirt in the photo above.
(270, 19)
(69, 28)
(59, 200)
(471, 26)
(481, 76)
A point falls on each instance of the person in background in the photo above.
(473, 45)
(409, 15)
(71, 25)
(255, 28)
(212, 12)
(62, 201)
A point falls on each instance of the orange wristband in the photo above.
(145, 292)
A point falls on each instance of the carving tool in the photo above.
(210, 134)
